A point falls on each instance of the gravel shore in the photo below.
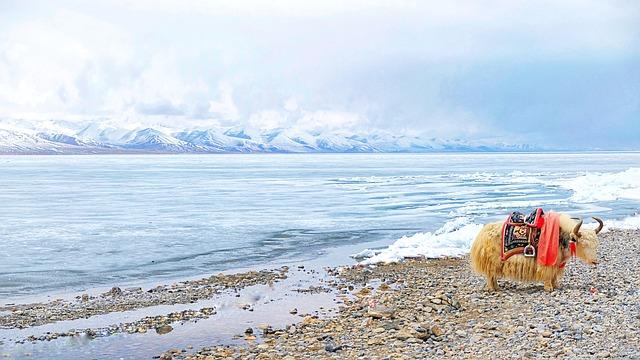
(415, 309)
(439, 309)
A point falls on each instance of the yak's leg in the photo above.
(556, 279)
(492, 283)
(548, 285)
(495, 283)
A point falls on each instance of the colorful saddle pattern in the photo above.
(521, 234)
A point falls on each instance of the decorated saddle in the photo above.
(521, 234)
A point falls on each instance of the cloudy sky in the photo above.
(564, 73)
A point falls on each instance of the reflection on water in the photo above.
(269, 305)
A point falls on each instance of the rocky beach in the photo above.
(419, 308)
(302, 180)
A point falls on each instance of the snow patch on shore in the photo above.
(454, 238)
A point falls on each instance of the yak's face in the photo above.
(587, 242)
(587, 246)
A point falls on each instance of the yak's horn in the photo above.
(576, 229)
(600, 226)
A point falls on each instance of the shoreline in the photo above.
(337, 255)
(132, 298)
(437, 152)
(433, 308)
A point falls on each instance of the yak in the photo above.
(486, 254)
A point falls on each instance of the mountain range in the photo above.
(23, 137)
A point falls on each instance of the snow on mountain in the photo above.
(342, 143)
(237, 133)
(14, 142)
(154, 140)
(281, 140)
(67, 139)
(205, 138)
(213, 140)
(17, 137)
(104, 134)
(399, 143)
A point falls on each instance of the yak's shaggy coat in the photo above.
(486, 251)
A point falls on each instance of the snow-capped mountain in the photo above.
(18, 137)
(154, 140)
(216, 140)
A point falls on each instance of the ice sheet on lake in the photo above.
(592, 187)
(628, 223)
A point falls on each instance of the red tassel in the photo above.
(572, 248)
(539, 222)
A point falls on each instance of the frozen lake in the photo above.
(75, 222)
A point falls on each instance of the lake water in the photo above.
(74, 222)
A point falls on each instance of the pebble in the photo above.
(380, 312)
(164, 329)
(436, 330)
(331, 346)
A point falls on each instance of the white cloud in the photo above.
(319, 120)
(329, 120)
(268, 119)
(224, 108)
(305, 64)
(48, 65)
(291, 104)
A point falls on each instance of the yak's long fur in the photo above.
(486, 260)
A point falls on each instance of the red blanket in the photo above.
(549, 240)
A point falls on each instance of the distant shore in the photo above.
(433, 152)
(415, 309)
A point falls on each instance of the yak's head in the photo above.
(587, 242)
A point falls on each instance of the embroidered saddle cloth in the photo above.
(521, 234)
